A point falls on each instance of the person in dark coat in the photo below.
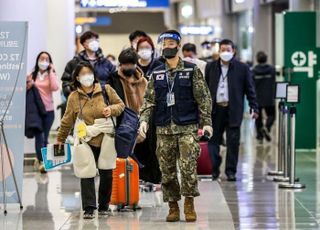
(145, 151)
(146, 154)
(229, 81)
(265, 78)
(147, 62)
(135, 36)
(92, 54)
(34, 110)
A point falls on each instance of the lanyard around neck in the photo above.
(226, 75)
(170, 88)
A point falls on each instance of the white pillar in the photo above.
(34, 12)
(60, 38)
(51, 28)
(263, 34)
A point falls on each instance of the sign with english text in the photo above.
(13, 56)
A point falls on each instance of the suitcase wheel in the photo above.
(134, 207)
(120, 207)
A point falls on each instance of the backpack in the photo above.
(126, 131)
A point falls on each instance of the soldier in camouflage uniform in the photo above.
(182, 103)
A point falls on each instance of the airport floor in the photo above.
(52, 201)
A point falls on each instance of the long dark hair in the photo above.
(75, 74)
(36, 67)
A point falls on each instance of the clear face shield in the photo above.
(167, 41)
(215, 48)
(206, 50)
(210, 50)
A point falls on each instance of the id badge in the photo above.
(81, 129)
(221, 92)
(170, 99)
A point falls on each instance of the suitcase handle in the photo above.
(129, 167)
(205, 137)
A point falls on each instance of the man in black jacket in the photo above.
(135, 36)
(228, 80)
(92, 53)
(264, 77)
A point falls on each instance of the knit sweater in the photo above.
(46, 83)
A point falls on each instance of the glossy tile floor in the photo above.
(253, 202)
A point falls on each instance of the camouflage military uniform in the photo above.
(179, 143)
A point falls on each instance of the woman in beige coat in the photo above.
(87, 104)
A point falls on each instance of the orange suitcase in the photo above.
(125, 185)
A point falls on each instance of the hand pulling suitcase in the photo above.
(125, 185)
(204, 166)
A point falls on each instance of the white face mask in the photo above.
(214, 50)
(94, 45)
(189, 59)
(145, 54)
(226, 56)
(206, 53)
(43, 65)
(87, 80)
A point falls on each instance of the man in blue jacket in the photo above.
(228, 80)
(92, 54)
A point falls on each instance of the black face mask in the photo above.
(169, 53)
(128, 72)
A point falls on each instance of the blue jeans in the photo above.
(42, 137)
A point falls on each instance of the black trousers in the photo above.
(146, 154)
(220, 122)
(88, 191)
(270, 112)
